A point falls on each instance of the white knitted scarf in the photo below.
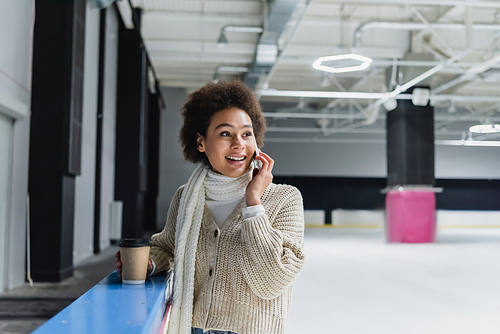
(218, 187)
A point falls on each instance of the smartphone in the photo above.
(257, 163)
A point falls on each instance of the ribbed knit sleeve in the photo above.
(163, 243)
(273, 244)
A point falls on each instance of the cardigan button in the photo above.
(210, 272)
(216, 233)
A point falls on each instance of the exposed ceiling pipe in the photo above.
(374, 96)
(254, 29)
(322, 94)
(461, 118)
(318, 130)
(315, 140)
(358, 34)
(311, 115)
(283, 129)
(463, 3)
(223, 39)
(420, 63)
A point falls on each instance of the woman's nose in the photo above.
(237, 142)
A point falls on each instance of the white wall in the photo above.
(5, 165)
(83, 236)
(174, 170)
(466, 162)
(318, 159)
(369, 160)
(16, 24)
(109, 122)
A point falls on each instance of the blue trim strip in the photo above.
(110, 307)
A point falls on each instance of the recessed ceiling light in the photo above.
(485, 128)
(365, 62)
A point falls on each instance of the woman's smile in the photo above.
(236, 159)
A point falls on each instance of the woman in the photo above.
(233, 238)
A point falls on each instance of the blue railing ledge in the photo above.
(113, 307)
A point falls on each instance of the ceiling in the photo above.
(450, 46)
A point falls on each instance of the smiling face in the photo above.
(229, 143)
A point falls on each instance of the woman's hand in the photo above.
(119, 265)
(261, 179)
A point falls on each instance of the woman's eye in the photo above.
(248, 134)
(225, 134)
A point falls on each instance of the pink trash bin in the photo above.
(410, 216)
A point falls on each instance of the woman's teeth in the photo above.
(235, 158)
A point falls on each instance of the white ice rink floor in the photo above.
(354, 282)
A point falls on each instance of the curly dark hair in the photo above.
(209, 99)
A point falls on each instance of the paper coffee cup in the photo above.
(134, 254)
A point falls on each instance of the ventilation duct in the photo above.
(280, 12)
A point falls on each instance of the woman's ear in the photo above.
(200, 142)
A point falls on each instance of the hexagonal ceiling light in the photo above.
(365, 62)
(485, 128)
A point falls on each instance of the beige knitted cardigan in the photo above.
(257, 261)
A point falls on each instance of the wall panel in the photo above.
(5, 172)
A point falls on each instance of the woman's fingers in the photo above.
(267, 161)
(118, 263)
(270, 161)
(150, 266)
(265, 173)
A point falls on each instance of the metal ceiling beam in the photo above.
(358, 34)
(249, 19)
(316, 140)
(423, 63)
(464, 3)
(321, 94)
(373, 96)
(470, 74)
(312, 115)
(319, 130)
(359, 131)
(458, 118)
